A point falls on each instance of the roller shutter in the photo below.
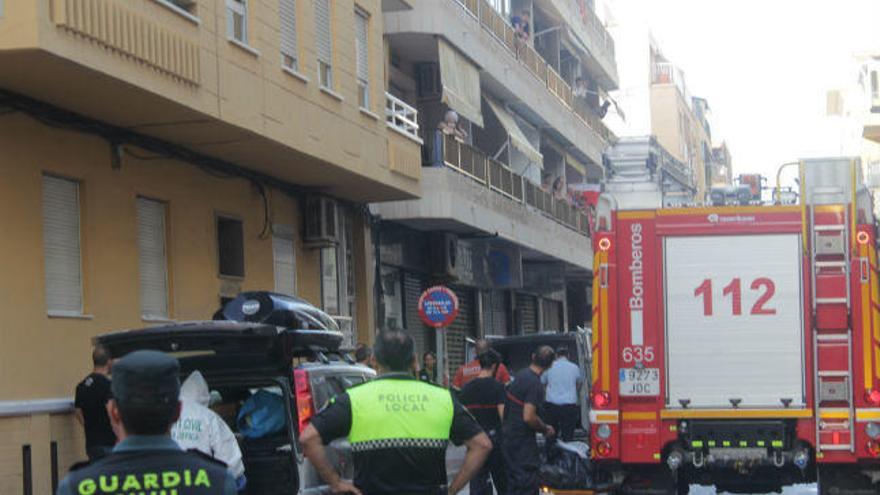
(527, 309)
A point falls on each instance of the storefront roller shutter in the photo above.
(527, 309)
(463, 326)
(413, 285)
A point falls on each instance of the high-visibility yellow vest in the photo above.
(399, 412)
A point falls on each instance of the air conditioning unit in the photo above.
(428, 78)
(444, 254)
(322, 228)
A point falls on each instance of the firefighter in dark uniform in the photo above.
(398, 428)
(146, 387)
(525, 394)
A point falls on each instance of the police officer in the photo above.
(146, 388)
(525, 395)
(398, 428)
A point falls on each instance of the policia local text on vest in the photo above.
(398, 428)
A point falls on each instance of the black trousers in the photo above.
(522, 462)
(492, 472)
(563, 418)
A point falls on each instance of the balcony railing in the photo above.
(402, 117)
(473, 163)
(594, 25)
(594, 122)
(499, 28)
(667, 73)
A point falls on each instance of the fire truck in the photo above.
(737, 345)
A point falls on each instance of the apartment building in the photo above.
(657, 102)
(501, 218)
(159, 156)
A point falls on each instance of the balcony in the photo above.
(497, 177)
(597, 41)
(511, 69)
(171, 74)
(404, 143)
(667, 73)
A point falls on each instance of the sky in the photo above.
(765, 67)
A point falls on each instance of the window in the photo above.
(330, 280)
(362, 20)
(152, 258)
(324, 43)
(230, 246)
(392, 298)
(236, 20)
(289, 50)
(183, 6)
(338, 295)
(61, 247)
(285, 264)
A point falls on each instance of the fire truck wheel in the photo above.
(844, 480)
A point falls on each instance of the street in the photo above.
(662, 214)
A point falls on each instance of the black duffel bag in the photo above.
(567, 466)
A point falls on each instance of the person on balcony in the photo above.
(451, 127)
(521, 26)
(559, 188)
(580, 88)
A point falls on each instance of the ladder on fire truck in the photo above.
(827, 203)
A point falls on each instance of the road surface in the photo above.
(455, 455)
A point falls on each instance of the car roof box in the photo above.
(252, 323)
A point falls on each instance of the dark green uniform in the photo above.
(149, 464)
(148, 382)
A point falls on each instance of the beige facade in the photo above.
(194, 107)
(680, 132)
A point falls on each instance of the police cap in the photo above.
(146, 378)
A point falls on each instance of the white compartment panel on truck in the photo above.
(734, 321)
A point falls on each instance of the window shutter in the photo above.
(152, 258)
(361, 24)
(285, 265)
(288, 29)
(61, 246)
(322, 31)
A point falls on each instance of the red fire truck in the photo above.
(738, 345)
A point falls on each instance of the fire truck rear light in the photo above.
(601, 400)
(874, 397)
(603, 431)
(603, 449)
(873, 448)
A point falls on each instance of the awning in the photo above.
(461, 82)
(575, 164)
(517, 139)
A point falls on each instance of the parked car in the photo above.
(273, 345)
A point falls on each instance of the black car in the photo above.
(262, 342)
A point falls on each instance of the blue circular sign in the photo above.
(438, 306)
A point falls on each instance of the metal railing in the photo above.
(473, 163)
(594, 25)
(594, 122)
(501, 30)
(402, 117)
(668, 73)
